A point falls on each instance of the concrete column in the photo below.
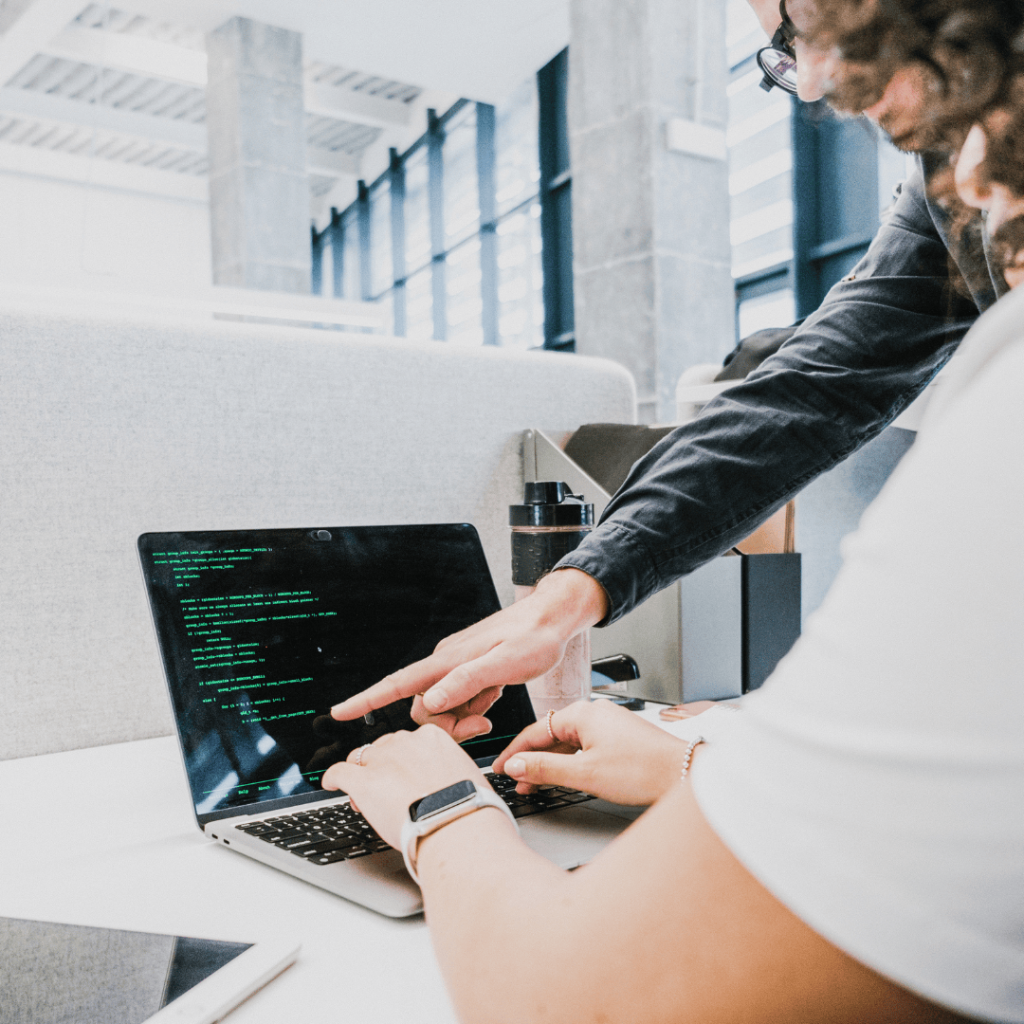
(647, 115)
(259, 192)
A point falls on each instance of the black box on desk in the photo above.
(739, 615)
(714, 634)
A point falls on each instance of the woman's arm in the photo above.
(665, 925)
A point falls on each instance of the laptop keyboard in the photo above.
(325, 835)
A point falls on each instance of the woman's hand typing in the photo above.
(600, 748)
(385, 777)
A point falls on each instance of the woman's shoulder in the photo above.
(997, 335)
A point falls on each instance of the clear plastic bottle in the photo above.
(549, 524)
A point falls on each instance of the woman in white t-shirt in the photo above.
(851, 846)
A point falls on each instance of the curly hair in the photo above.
(970, 56)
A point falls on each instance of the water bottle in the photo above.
(549, 524)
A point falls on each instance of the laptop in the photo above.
(262, 631)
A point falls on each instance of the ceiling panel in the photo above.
(58, 104)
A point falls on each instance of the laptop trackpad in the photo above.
(571, 836)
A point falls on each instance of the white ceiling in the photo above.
(119, 86)
(481, 49)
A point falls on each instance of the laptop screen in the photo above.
(262, 631)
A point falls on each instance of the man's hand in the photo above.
(456, 685)
(600, 748)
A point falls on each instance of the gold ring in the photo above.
(551, 733)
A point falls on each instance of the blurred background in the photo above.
(604, 176)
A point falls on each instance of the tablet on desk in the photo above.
(59, 973)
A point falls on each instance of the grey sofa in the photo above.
(110, 427)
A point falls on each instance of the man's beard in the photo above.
(911, 140)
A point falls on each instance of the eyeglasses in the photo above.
(778, 59)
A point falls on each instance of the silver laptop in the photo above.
(262, 631)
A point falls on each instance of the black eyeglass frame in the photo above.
(782, 42)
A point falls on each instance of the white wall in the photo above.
(59, 228)
(66, 234)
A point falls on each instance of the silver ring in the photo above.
(359, 754)
(551, 733)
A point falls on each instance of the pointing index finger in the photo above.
(391, 688)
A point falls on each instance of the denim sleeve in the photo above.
(879, 337)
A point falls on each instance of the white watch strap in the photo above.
(414, 831)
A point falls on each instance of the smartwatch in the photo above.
(436, 810)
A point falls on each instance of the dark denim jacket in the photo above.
(879, 337)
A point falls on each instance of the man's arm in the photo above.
(876, 342)
(871, 348)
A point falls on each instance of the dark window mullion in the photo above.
(762, 282)
(316, 270)
(337, 236)
(556, 203)
(365, 264)
(832, 226)
(398, 240)
(435, 187)
(485, 160)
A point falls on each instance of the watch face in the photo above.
(450, 796)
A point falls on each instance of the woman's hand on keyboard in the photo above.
(600, 748)
(384, 777)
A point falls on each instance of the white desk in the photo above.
(105, 836)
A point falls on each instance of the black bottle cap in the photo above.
(550, 503)
(545, 492)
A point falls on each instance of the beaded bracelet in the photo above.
(693, 744)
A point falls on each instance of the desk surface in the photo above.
(105, 836)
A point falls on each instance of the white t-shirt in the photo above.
(875, 784)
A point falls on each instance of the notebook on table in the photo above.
(261, 632)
